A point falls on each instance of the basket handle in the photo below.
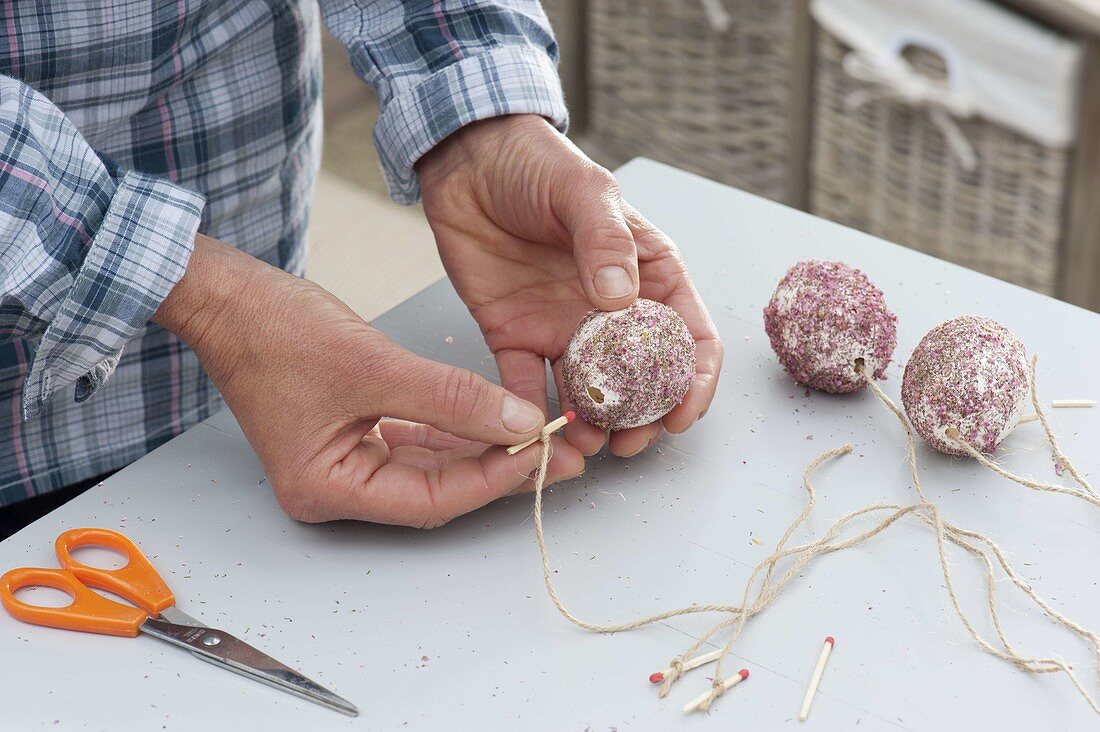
(893, 78)
(715, 10)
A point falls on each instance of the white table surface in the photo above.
(452, 629)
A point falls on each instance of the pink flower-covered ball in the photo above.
(629, 367)
(825, 321)
(968, 374)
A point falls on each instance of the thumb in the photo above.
(603, 245)
(456, 401)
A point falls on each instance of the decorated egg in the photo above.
(826, 322)
(967, 379)
(630, 367)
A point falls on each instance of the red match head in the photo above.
(831, 640)
(744, 673)
(570, 415)
(657, 677)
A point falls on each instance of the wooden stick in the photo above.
(815, 680)
(1073, 403)
(688, 665)
(1061, 404)
(727, 684)
(549, 429)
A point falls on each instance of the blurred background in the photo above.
(967, 129)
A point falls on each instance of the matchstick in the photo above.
(1062, 404)
(1073, 403)
(549, 429)
(688, 665)
(815, 680)
(727, 684)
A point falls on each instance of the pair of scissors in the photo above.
(156, 613)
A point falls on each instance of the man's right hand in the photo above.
(309, 383)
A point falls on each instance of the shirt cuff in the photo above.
(137, 256)
(508, 80)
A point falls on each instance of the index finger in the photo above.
(666, 279)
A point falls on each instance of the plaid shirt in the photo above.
(127, 126)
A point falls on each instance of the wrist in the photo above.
(467, 147)
(210, 295)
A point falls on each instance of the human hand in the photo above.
(309, 382)
(533, 235)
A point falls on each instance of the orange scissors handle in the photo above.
(88, 612)
(138, 582)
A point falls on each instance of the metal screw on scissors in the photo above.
(156, 613)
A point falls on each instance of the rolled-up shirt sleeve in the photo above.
(87, 251)
(439, 65)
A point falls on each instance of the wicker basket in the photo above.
(886, 169)
(566, 17)
(557, 9)
(666, 84)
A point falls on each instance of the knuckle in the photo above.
(432, 516)
(719, 349)
(461, 395)
(601, 178)
(528, 385)
(614, 247)
(643, 228)
(386, 366)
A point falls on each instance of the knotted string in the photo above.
(976, 544)
(896, 79)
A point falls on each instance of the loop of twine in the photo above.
(676, 670)
(717, 688)
(956, 536)
(976, 544)
(898, 81)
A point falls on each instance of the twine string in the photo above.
(959, 536)
(540, 479)
(1085, 492)
(768, 588)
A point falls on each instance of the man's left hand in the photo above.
(533, 235)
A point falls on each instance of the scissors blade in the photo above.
(224, 650)
(175, 615)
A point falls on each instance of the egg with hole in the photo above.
(627, 368)
(967, 379)
(827, 321)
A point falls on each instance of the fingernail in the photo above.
(613, 281)
(519, 416)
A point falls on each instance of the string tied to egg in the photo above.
(959, 537)
(818, 296)
(978, 545)
(965, 389)
(1061, 461)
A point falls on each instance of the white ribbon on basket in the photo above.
(716, 13)
(897, 80)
